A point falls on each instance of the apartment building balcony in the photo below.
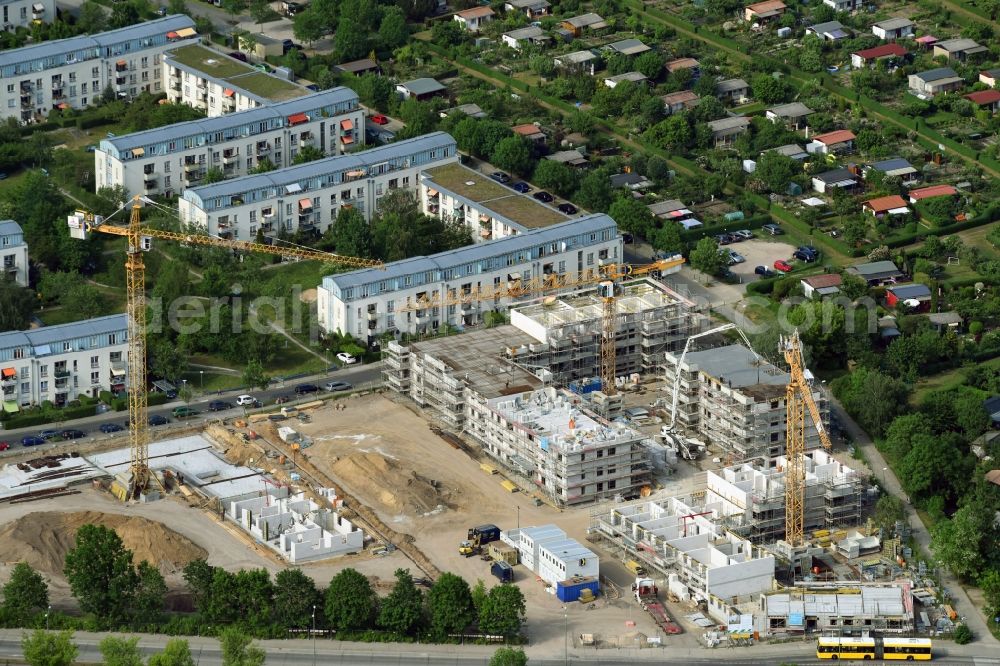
(62, 374)
(230, 157)
(228, 103)
(190, 167)
(8, 382)
(149, 184)
(263, 148)
(305, 139)
(26, 103)
(58, 93)
(175, 86)
(37, 11)
(193, 177)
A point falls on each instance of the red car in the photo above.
(379, 119)
(783, 266)
(4, 446)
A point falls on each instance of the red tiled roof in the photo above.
(766, 6)
(680, 97)
(824, 281)
(932, 191)
(837, 136)
(882, 204)
(982, 97)
(881, 51)
(475, 12)
(528, 129)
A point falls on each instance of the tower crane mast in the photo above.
(139, 240)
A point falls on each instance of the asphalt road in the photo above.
(361, 376)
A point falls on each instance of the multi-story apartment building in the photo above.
(547, 438)
(309, 196)
(24, 13)
(74, 72)
(731, 397)
(490, 210)
(60, 363)
(206, 79)
(13, 252)
(166, 160)
(370, 302)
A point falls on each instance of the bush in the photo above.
(157, 398)
(87, 123)
(28, 420)
(963, 634)
(78, 412)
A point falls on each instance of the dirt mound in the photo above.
(384, 480)
(42, 540)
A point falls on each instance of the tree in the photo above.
(449, 603)
(92, 18)
(213, 175)
(706, 257)
(555, 177)
(350, 41)
(963, 635)
(261, 11)
(120, 651)
(237, 649)
(351, 234)
(888, 510)
(43, 648)
(667, 238)
(770, 90)
(402, 610)
(776, 170)
(295, 599)
(350, 601)
(123, 14)
(872, 397)
(264, 165)
(393, 32)
(958, 543)
(176, 652)
(509, 657)
(595, 192)
(198, 575)
(513, 154)
(308, 154)
(254, 375)
(234, 7)
(308, 26)
(151, 590)
(177, 7)
(25, 594)
(478, 594)
(16, 305)
(503, 611)
(649, 64)
(100, 573)
(632, 216)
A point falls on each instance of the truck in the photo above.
(636, 568)
(478, 537)
(503, 572)
(647, 594)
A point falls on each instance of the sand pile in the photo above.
(42, 540)
(396, 489)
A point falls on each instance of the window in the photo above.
(116, 357)
(67, 347)
(43, 387)
(95, 378)
(19, 352)
(95, 362)
(25, 388)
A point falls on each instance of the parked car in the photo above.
(158, 420)
(246, 400)
(523, 188)
(743, 234)
(219, 406)
(723, 239)
(628, 238)
(108, 428)
(4, 446)
(735, 258)
(32, 440)
(48, 434)
(346, 358)
(782, 266)
(242, 57)
(184, 412)
(543, 196)
(567, 208)
(806, 253)
(162, 11)
(72, 433)
(500, 177)
(337, 386)
(379, 119)
(303, 389)
(773, 229)
(764, 271)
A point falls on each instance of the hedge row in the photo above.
(753, 222)
(991, 214)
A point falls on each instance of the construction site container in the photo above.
(502, 552)
(489, 469)
(570, 590)
(503, 572)
(508, 486)
(288, 434)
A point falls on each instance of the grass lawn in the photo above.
(945, 380)
(290, 360)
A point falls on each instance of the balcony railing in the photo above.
(62, 374)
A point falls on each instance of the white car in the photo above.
(346, 358)
(246, 400)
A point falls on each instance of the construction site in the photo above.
(645, 479)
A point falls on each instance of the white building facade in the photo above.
(74, 72)
(548, 552)
(13, 252)
(24, 13)
(60, 363)
(167, 160)
(370, 302)
(309, 196)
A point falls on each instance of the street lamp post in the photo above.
(884, 470)
(47, 611)
(201, 375)
(314, 634)
(565, 636)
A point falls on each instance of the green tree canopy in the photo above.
(44, 648)
(16, 305)
(555, 177)
(595, 191)
(238, 650)
(449, 603)
(513, 154)
(92, 18)
(176, 652)
(509, 657)
(120, 651)
(350, 601)
(308, 154)
(958, 542)
(25, 594)
(393, 32)
(632, 215)
(351, 234)
(100, 572)
(402, 610)
(503, 611)
(706, 257)
(150, 593)
(295, 599)
(254, 375)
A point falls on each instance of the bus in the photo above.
(907, 649)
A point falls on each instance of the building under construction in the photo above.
(731, 397)
(549, 439)
(751, 496)
(554, 341)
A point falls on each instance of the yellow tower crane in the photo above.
(139, 240)
(798, 399)
(606, 277)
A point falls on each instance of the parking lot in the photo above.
(760, 251)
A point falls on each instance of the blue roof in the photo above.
(60, 47)
(208, 126)
(471, 253)
(9, 227)
(49, 335)
(294, 174)
(906, 291)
